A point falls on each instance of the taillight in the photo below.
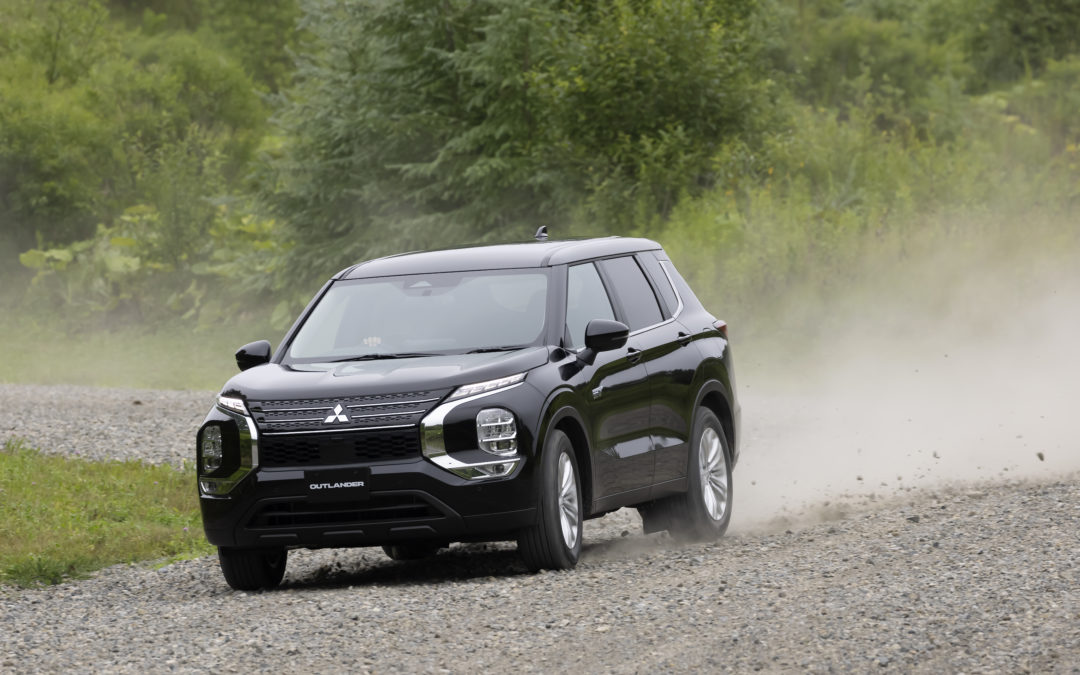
(721, 326)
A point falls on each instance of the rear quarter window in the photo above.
(668, 300)
(633, 291)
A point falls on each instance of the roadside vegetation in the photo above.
(61, 518)
(184, 170)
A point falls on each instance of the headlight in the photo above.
(496, 431)
(233, 404)
(484, 387)
(212, 452)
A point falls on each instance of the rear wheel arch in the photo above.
(715, 398)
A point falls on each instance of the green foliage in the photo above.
(67, 38)
(51, 152)
(153, 264)
(1050, 103)
(257, 34)
(840, 190)
(891, 56)
(415, 122)
(1013, 38)
(62, 518)
(396, 132)
(139, 178)
(86, 129)
(117, 177)
(638, 97)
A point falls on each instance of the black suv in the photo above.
(478, 394)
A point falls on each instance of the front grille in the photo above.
(348, 412)
(347, 448)
(380, 508)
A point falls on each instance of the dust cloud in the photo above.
(961, 368)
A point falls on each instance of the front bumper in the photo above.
(403, 501)
(448, 491)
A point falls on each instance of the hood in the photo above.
(273, 381)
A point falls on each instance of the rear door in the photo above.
(637, 305)
(671, 373)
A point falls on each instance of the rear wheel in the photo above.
(703, 513)
(251, 569)
(554, 542)
(413, 550)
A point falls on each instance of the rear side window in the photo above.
(586, 300)
(633, 292)
(669, 301)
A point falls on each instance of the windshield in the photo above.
(424, 314)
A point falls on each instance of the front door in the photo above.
(616, 389)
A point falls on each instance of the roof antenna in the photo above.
(541, 233)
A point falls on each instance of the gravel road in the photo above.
(982, 576)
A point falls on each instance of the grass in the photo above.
(44, 351)
(62, 518)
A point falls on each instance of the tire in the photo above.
(554, 542)
(704, 511)
(251, 569)
(413, 550)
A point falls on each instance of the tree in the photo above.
(420, 123)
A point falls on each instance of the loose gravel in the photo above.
(155, 426)
(982, 578)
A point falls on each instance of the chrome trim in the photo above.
(358, 405)
(253, 436)
(249, 457)
(678, 309)
(495, 469)
(433, 444)
(386, 414)
(243, 410)
(678, 296)
(648, 328)
(278, 410)
(338, 430)
(377, 405)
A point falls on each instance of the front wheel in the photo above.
(554, 542)
(703, 513)
(251, 569)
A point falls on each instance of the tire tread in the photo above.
(249, 569)
(541, 545)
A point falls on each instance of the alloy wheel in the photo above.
(713, 474)
(569, 509)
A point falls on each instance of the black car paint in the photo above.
(628, 411)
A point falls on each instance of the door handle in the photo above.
(633, 355)
(684, 338)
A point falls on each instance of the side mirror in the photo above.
(253, 354)
(603, 335)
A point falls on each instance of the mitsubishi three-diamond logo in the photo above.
(338, 416)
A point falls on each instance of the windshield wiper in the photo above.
(379, 357)
(504, 348)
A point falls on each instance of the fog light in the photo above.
(211, 449)
(496, 431)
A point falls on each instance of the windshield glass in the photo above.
(447, 313)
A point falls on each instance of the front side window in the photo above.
(454, 312)
(586, 300)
